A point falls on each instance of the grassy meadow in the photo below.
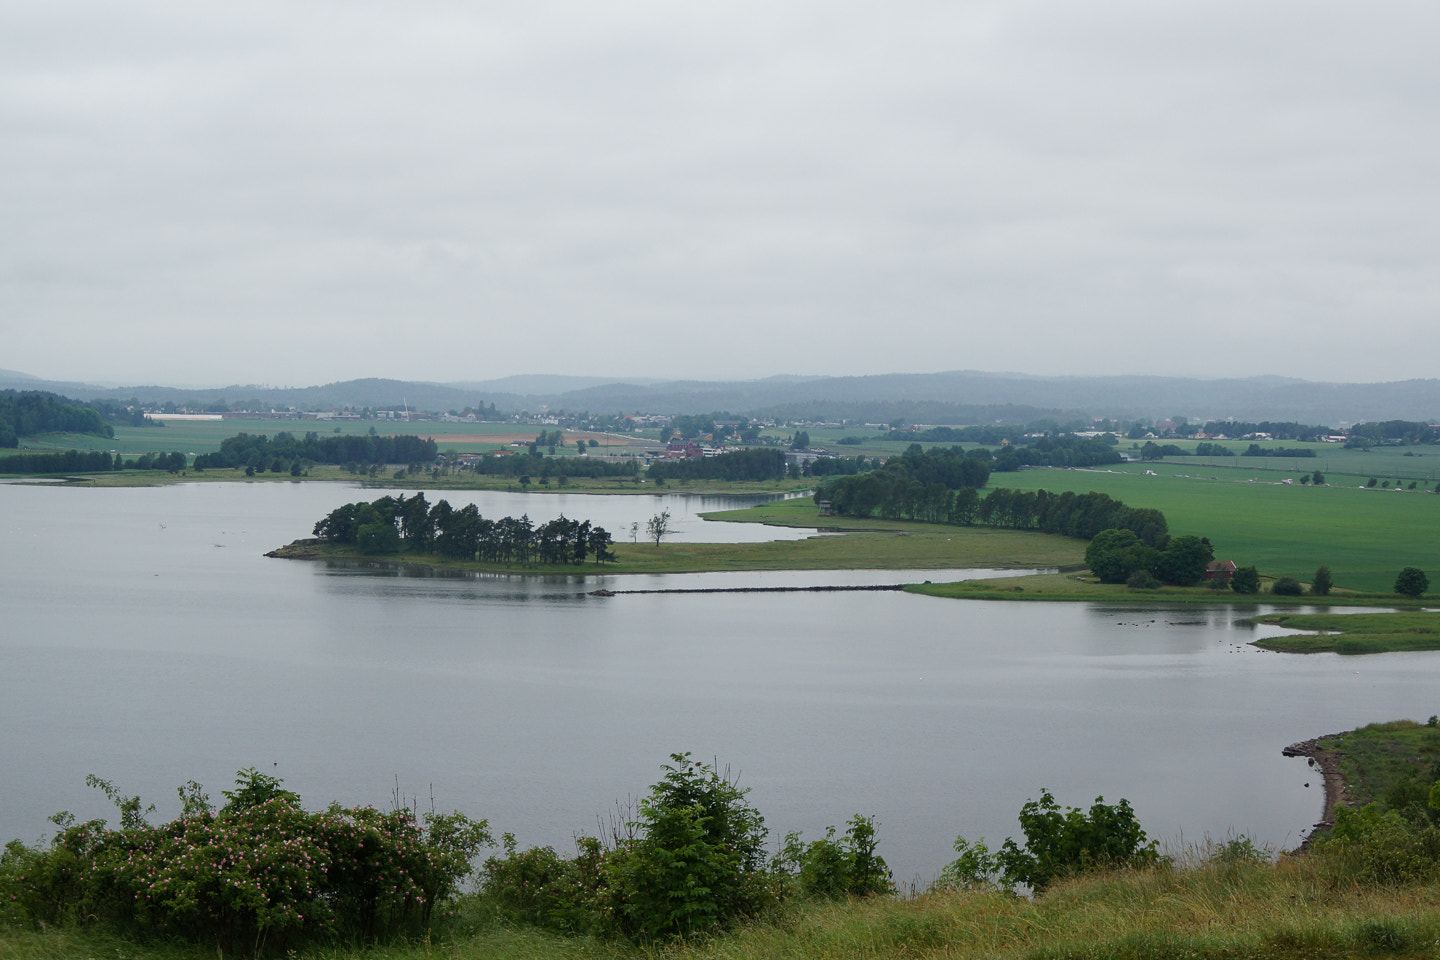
(1376, 757)
(1365, 536)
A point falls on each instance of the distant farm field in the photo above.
(1364, 535)
(204, 436)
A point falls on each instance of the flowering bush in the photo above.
(260, 873)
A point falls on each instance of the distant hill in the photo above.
(953, 397)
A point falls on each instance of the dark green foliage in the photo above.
(1066, 451)
(259, 875)
(1378, 845)
(70, 461)
(378, 538)
(756, 464)
(1061, 843)
(507, 466)
(1279, 430)
(1245, 580)
(1255, 450)
(1408, 431)
(914, 484)
(31, 412)
(1321, 583)
(1412, 582)
(1141, 580)
(261, 452)
(540, 887)
(697, 863)
(940, 486)
(831, 869)
(1113, 555)
(692, 862)
(1287, 587)
(840, 466)
(411, 525)
(1184, 560)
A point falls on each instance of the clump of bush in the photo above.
(1287, 587)
(691, 862)
(1142, 580)
(1058, 844)
(259, 874)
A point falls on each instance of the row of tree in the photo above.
(413, 525)
(761, 463)
(88, 461)
(260, 451)
(527, 465)
(1062, 451)
(1407, 431)
(1276, 429)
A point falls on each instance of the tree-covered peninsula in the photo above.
(412, 525)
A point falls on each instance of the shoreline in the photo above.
(1337, 790)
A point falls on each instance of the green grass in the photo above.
(1376, 757)
(1236, 911)
(1354, 633)
(1419, 463)
(1365, 537)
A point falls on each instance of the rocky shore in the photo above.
(1337, 791)
(299, 550)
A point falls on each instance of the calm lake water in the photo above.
(144, 638)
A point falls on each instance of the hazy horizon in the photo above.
(272, 194)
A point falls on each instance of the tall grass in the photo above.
(1300, 907)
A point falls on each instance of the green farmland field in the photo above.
(1407, 463)
(204, 436)
(1365, 536)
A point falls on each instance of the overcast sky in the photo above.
(300, 192)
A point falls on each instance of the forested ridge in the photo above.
(32, 412)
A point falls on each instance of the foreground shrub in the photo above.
(1375, 845)
(831, 869)
(697, 863)
(261, 873)
(1058, 844)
